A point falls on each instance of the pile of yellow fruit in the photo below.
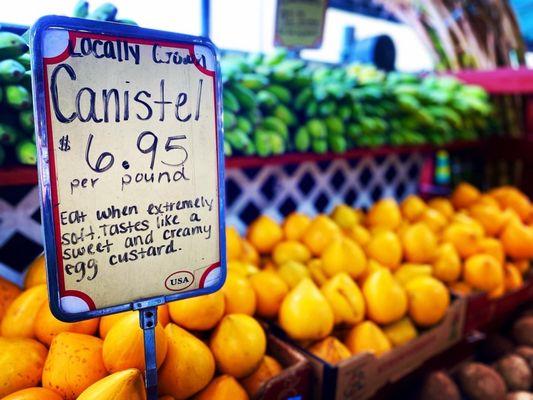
(207, 348)
(353, 281)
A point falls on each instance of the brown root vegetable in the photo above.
(439, 386)
(526, 353)
(519, 396)
(480, 382)
(515, 372)
(495, 347)
(523, 331)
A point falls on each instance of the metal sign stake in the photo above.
(148, 322)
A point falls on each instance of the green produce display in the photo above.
(17, 137)
(274, 104)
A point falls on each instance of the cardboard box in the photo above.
(482, 311)
(294, 382)
(362, 375)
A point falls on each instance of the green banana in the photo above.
(266, 99)
(303, 97)
(275, 124)
(319, 146)
(277, 144)
(284, 113)
(317, 129)
(106, 12)
(254, 81)
(244, 124)
(17, 96)
(26, 152)
(26, 120)
(237, 138)
(263, 143)
(302, 140)
(25, 60)
(230, 101)
(227, 149)
(81, 9)
(245, 96)
(229, 120)
(11, 45)
(8, 134)
(11, 71)
(335, 125)
(337, 143)
(281, 93)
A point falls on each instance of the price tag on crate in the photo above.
(300, 23)
(130, 165)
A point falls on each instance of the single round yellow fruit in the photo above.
(385, 299)
(187, 357)
(20, 316)
(198, 313)
(73, 364)
(295, 225)
(292, 272)
(21, 364)
(47, 326)
(36, 272)
(290, 250)
(234, 247)
(367, 336)
(385, 247)
(512, 277)
(238, 294)
(483, 272)
(511, 198)
(268, 369)
(359, 234)
(264, 233)
(270, 291)
(320, 233)
(400, 332)
(122, 385)
(490, 217)
(345, 299)
(492, 247)
(464, 195)
(249, 254)
(412, 208)
(124, 345)
(385, 213)
(331, 350)
(442, 205)
(419, 243)
(8, 293)
(464, 237)
(517, 240)
(343, 255)
(345, 216)
(223, 387)
(409, 271)
(428, 300)
(238, 344)
(447, 264)
(434, 220)
(34, 393)
(305, 314)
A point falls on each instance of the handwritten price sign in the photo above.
(130, 163)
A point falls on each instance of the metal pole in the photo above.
(148, 321)
(206, 18)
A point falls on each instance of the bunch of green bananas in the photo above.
(274, 104)
(17, 138)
